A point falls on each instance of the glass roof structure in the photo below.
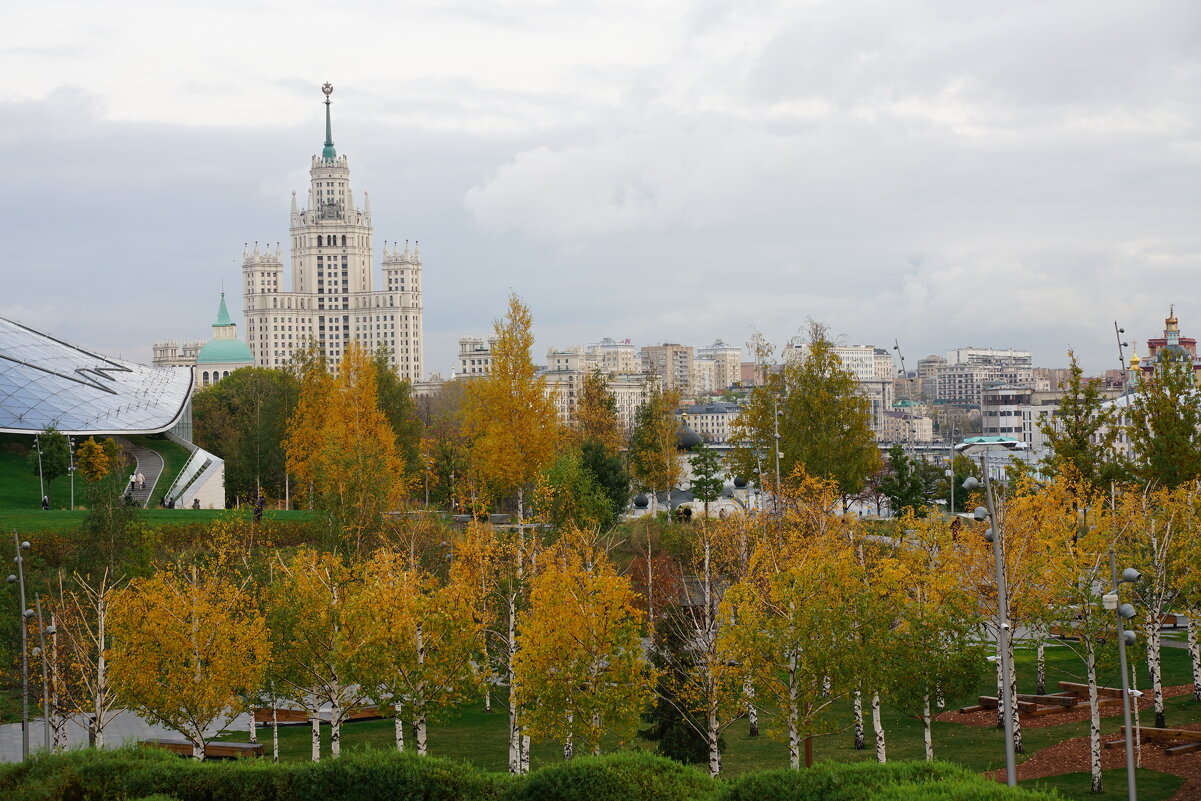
(45, 382)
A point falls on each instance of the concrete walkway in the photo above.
(125, 727)
(149, 464)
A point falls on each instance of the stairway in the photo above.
(149, 464)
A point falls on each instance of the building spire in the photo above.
(328, 153)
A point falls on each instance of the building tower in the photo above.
(332, 300)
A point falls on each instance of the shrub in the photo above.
(895, 781)
(626, 776)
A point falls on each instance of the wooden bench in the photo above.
(285, 717)
(288, 717)
(1081, 690)
(211, 750)
(1151, 734)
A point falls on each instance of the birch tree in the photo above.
(317, 649)
(654, 456)
(1079, 574)
(580, 668)
(419, 636)
(1163, 519)
(343, 451)
(1024, 556)
(187, 647)
(84, 643)
(936, 648)
(792, 630)
(510, 413)
(1189, 533)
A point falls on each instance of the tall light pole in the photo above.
(982, 445)
(41, 651)
(71, 469)
(19, 579)
(37, 444)
(775, 418)
(1122, 612)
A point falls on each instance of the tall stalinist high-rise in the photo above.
(331, 301)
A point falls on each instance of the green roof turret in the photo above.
(328, 153)
(223, 314)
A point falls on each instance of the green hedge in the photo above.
(894, 781)
(624, 776)
(134, 774)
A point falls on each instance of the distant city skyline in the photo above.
(682, 172)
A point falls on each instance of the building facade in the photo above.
(672, 363)
(475, 356)
(332, 299)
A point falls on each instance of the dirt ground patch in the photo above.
(1071, 756)
(988, 717)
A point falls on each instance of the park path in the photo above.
(125, 727)
(149, 464)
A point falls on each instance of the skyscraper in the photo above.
(332, 300)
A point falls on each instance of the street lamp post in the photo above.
(37, 444)
(44, 654)
(1124, 612)
(982, 445)
(776, 422)
(71, 468)
(19, 579)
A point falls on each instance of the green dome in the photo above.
(224, 351)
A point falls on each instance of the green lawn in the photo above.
(55, 520)
(1151, 785)
(480, 738)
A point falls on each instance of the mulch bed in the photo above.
(1072, 756)
(988, 717)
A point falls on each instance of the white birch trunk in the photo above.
(712, 735)
(1194, 652)
(335, 732)
(568, 746)
(274, 732)
(525, 753)
(1000, 690)
(420, 732)
(252, 726)
(857, 707)
(514, 734)
(794, 735)
(1094, 720)
(400, 728)
(650, 582)
(596, 727)
(96, 725)
(1041, 676)
(881, 756)
(1153, 668)
(198, 749)
(752, 712)
(419, 724)
(1018, 748)
(315, 721)
(927, 734)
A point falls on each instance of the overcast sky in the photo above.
(942, 173)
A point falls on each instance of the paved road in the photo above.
(124, 728)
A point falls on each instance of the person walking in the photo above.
(141, 481)
(45, 503)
